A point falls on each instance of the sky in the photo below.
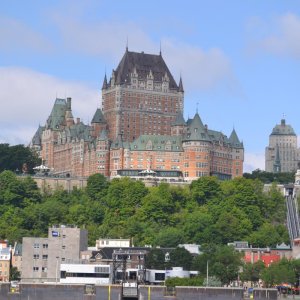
(239, 60)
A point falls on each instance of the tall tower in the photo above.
(141, 97)
(282, 153)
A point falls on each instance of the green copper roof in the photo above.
(36, 140)
(80, 132)
(283, 129)
(196, 131)
(157, 143)
(57, 116)
(234, 140)
(179, 121)
(98, 117)
(103, 136)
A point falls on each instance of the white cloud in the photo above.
(254, 161)
(281, 36)
(15, 35)
(201, 69)
(27, 98)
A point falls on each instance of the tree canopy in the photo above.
(208, 211)
(18, 158)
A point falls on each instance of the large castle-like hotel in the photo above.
(139, 131)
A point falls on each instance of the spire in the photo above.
(104, 85)
(277, 163)
(180, 85)
(127, 44)
(234, 139)
(160, 47)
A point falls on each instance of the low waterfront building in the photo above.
(5, 258)
(85, 273)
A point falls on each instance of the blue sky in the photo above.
(239, 60)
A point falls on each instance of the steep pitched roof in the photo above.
(179, 121)
(196, 130)
(234, 140)
(36, 140)
(143, 63)
(57, 116)
(80, 131)
(98, 116)
(118, 143)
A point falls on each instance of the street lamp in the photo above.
(56, 269)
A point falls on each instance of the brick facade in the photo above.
(140, 127)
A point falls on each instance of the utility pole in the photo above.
(207, 273)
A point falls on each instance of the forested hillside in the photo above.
(207, 211)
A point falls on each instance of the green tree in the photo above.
(204, 189)
(220, 261)
(97, 186)
(233, 225)
(266, 235)
(14, 274)
(278, 273)
(252, 272)
(180, 257)
(155, 259)
(169, 237)
(226, 264)
(196, 225)
(14, 157)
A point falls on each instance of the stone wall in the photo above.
(113, 292)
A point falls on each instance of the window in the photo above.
(35, 269)
(36, 256)
(45, 256)
(36, 245)
(101, 269)
(44, 269)
(63, 247)
(45, 246)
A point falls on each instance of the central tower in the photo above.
(141, 97)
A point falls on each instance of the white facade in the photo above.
(112, 243)
(85, 273)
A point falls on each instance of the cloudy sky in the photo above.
(239, 60)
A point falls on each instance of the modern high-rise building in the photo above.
(43, 256)
(140, 129)
(282, 153)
